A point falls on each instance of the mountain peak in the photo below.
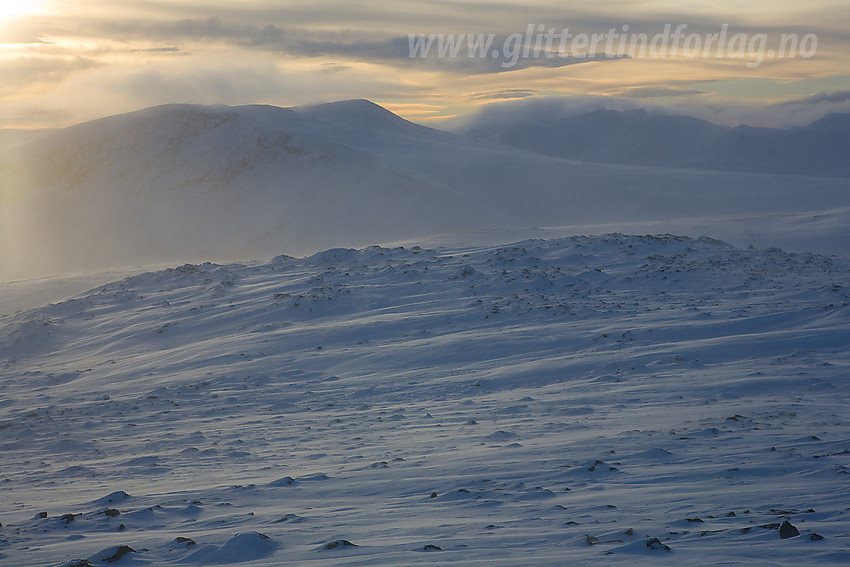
(352, 105)
(835, 121)
(355, 112)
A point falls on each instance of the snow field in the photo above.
(635, 400)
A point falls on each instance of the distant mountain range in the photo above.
(181, 183)
(641, 137)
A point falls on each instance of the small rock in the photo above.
(116, 555)
(431, 547)
(816, 537)
(787, 530)
(696, 520)
(655, 543)
(464, 272)
(120, 552)
(433, 495)
(731, 515)
(339, 543)
(630, 532)
(111, 512)
(67, 518)
(41, 515)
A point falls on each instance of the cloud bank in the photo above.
(104, 57)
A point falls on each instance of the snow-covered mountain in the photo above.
(614, 400)
(621, 399)
(183, 183)
(642, 137)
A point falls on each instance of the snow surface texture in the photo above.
(621, 400)
(182, 183)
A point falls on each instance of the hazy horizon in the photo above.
(62, 64)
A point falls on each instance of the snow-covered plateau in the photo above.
(623, 400)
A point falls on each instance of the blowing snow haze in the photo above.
(642, 137)
(181, 183)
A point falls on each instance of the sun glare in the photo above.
(15, 8)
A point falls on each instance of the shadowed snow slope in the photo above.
(184, 182)
(610, 400)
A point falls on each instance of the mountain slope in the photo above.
(635, 137)
(618, 399)
(640, 137)
(818, 149)
(182, 182)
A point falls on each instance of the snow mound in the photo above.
(240, 548)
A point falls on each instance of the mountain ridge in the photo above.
(642, 137)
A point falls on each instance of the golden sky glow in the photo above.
(62, 62)
(12, 9)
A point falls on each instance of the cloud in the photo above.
(502, 115)
(655, 92)
(29, 115)
(798, 112)
(169, 49)
(795, 112)
(502, 54)
(215, 79)
(272, 51)
(822, 97)
(19, 36)
(31, 72)
(502, 94)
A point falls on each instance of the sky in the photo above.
(63, 61)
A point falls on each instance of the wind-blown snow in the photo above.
(630, 400)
